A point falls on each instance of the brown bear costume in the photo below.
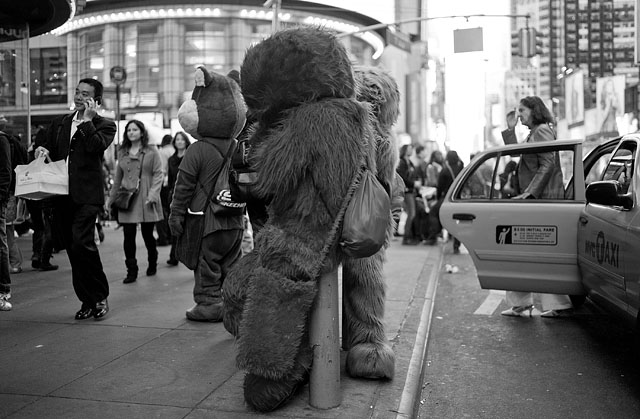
(310, 138)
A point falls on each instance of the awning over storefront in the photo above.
(41, 15)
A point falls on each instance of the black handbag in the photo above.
(124, 196)
(366, 219)
(189, 242)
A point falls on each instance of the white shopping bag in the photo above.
(39, 179)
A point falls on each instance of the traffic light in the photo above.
(526, 42)
(538, 42)
(516, 44)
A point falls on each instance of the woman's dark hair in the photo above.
(540, 114)
(436, 156)
(403, 150)
(452, 158)
(144, 137)
(184, 136)
(510, 166)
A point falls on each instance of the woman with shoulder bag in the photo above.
(138, 171)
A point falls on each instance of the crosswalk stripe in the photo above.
(491, 303)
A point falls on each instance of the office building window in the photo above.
(48, 75)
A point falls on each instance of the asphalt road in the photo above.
(484, 365)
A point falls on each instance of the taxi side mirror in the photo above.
(608, 192)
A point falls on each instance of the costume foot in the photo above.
(265, 395)
(371, 360)
(205, 313)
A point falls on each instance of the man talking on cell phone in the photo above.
(81, 138)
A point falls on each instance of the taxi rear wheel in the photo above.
(578, 300)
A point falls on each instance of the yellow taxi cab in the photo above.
(585, 243)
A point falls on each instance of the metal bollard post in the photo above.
(324, 383)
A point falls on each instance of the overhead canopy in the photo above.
(41, 15)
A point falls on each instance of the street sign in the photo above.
(398, 39)
(467, 40)
(118, 75)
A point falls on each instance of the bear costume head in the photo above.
(216, 108)
(315, 66)
(376, 87)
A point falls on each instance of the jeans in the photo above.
(15, 254)
(5, 279)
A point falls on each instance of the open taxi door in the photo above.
(518, 244)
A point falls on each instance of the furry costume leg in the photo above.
(364, 292)
(266, 394)
(234, 291)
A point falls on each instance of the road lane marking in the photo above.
(491, 303)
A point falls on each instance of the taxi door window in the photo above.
(621, 166)
(497, 178)
(480, 183)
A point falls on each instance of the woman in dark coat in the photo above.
(180, 143)
(452, 166)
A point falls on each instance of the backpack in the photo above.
(19, 154)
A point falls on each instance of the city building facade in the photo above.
(156, 46)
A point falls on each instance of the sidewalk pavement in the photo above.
(145, 360)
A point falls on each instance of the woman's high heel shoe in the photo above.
(518, 311)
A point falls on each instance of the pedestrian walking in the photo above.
(138, 165)
(81, 139)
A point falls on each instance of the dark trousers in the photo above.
(41, 213)
(219, 250)
(162, 226)
(74, 226)
(5, 279)
(129, 230)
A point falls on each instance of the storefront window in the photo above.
(92, 56)
(260, 31)
(148, 53)
(48, 75)
(7, 76)
(204, 45)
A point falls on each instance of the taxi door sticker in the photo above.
(536, 235)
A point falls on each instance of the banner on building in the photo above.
(609, 103)
(574, 98)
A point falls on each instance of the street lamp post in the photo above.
(275, 20)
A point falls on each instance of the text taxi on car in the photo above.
(586, 243)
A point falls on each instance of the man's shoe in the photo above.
(172, 262)
(46, 266)
(84, 313)
(15, 270)
(101, 310)
(5, 305)
(35, 264)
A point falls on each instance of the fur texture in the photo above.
(311, 134)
